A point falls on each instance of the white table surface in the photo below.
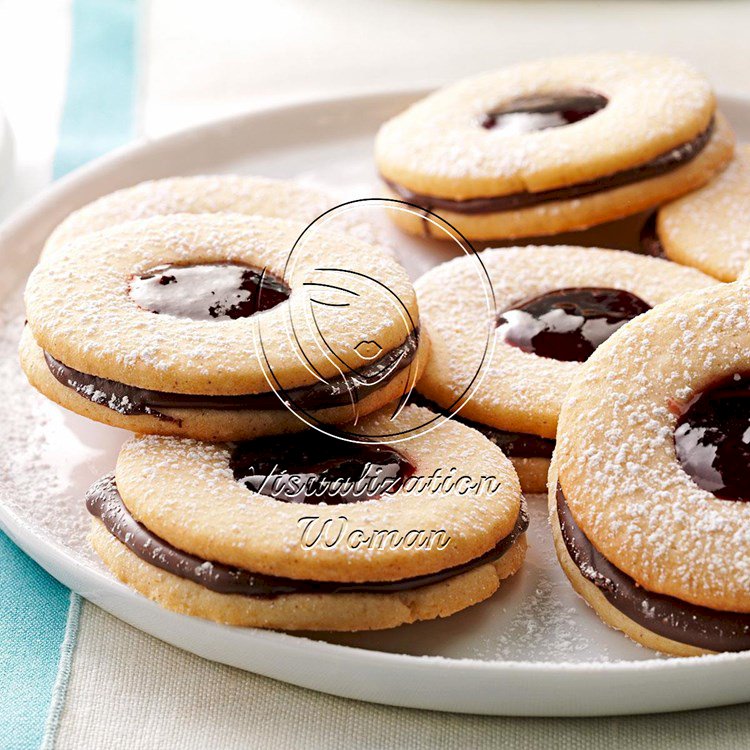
(241, 54)
(238, 54)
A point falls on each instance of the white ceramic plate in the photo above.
(533, 649)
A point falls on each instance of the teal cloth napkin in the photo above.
(36, 611)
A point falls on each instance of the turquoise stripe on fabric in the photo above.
(99, 112)
(34, 609)
(39, 616)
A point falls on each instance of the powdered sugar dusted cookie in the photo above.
(241, 194)
(554, 306)
(709, 228)
(311, 532)
(554, 145)
(208, 326)
(649, 485)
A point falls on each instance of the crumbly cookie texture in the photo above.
(532, 474)
(710, 228)
(184, 492)
(616, 459)
(438, 148)
(231, 193)
(214, 424)
(521, 391)
(77, 297)
(555, 217)
(609, 614)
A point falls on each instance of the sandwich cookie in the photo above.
(709, 228)
(309, 532)
(241, 194)
(648, 486)
(555, 145)
(208, 326)
(553, 307)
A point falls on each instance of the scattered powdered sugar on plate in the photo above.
(47, 456)
(534, 616)
(550, 622)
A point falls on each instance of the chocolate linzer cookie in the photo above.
(242, 194)
(709, 228)
(309, 532)
(553, 307)
(649, 485)
(208, 326)
(554, 145)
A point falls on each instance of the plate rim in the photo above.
(17, 524)
(87, 577)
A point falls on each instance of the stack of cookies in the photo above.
(271, 483)
(323, 446)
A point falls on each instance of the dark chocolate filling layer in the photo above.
(650, 244)
(667, 616)
(104, 502)
(339, 391)
(712, 438)
(208, 291)
(527, 114)
(568, 324)
(662, 164)
(515, 444)
(512, 444)
(296, 469)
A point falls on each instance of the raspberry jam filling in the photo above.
(527, 114)
(209, 291)
(298, 469)
(712, 439)
(568, 324)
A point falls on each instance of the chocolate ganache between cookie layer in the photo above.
(512, 444)
(220, 292)
(208, 291)
(105, 503)
(343, 390)
(712, 438)
(339, 391)
(660, 165)
(667, 616)
(568, 324)
(294, 468)
(649, 242)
